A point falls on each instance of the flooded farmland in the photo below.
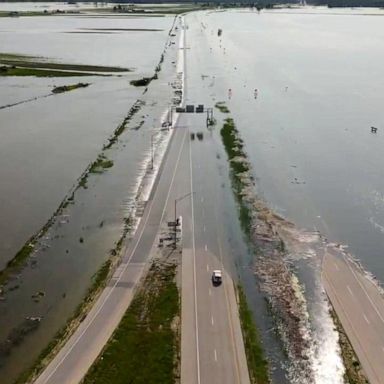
(304, 86)
(49, 140)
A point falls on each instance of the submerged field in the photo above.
(67, 140)
(302, 120)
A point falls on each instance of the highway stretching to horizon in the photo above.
(212, 348)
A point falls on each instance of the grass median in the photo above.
(257, 364)
(144, 347)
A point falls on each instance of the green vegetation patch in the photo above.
(38, 63)
(143, 82)
(353, 371)
(257, 364)
(239, 167)
(16, 71)
(121, 127)
(144, 347)
(220, 105)
(100, 164)
(17, 261)
(66, 88)
(155, 10)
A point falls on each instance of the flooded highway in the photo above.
(305, 119)
(47, 144)
(304, 86)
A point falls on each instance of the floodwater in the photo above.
(50, 141)
(304, 87)
(41, 6)
(47, 144)
(320, 82)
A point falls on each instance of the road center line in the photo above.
(212, 320)
(336, 266)
(204, 228)
(92, 319)
(207, 268)
(206, 248)
(365, 318)
(364, 290)
(194, 269)
(215, 355)
(350, 291)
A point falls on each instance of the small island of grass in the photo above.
(66, 88)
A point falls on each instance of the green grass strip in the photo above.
(16, 71)
(257, 364)
(144, 347)
(234, 147)
(220, 105)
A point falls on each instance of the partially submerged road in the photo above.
(212, 348)
(212, 345)
(75, 358)
(360, 308)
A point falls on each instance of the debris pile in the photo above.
(283, 292)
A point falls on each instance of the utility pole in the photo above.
(176, 201)
(152, 154)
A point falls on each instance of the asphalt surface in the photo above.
(211, 342)
(75, 358)
(360, 308)
(212, 349)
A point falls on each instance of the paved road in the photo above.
(212, 345)
(73, 361)
(360, 308)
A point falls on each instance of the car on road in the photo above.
(217, 277)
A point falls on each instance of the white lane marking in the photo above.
(365, 318)
(215, 355)
(210, 292)
(202, 199)
(331, 286)
(236, 352)
(206, 248)
(364, 290)
(92, 319)
(212, 322)
(207, 268)
(350, 290)
(336, 266)
(204, 228)
(194, 268)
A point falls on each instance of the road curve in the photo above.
(360, 308)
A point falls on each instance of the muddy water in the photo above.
(319, 83)
(47, 143)
(67, 39)
(53, 152)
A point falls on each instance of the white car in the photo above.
(216, 277)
